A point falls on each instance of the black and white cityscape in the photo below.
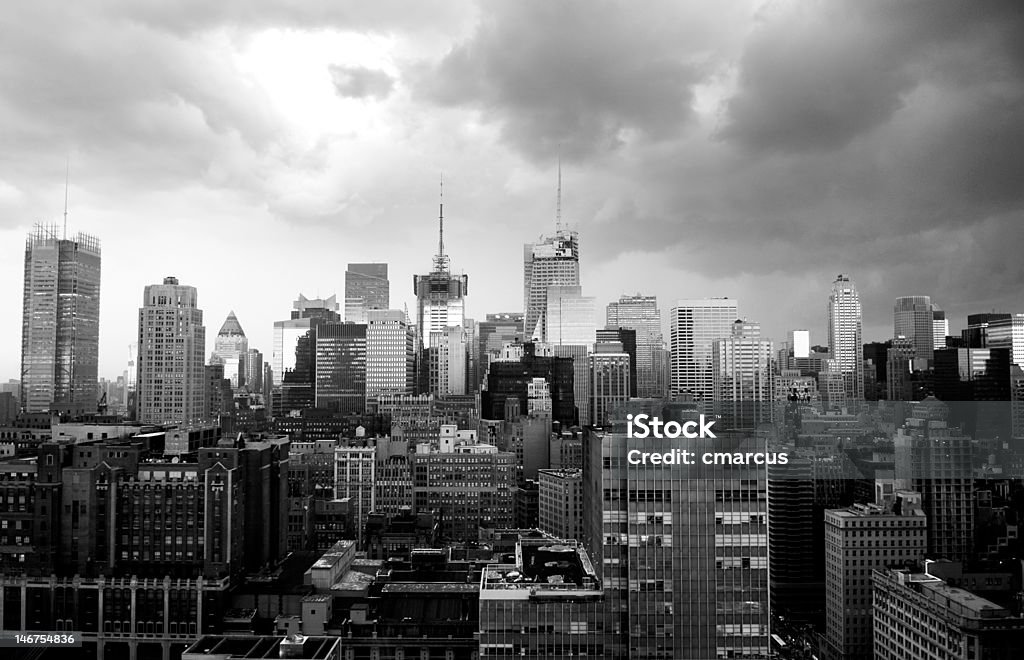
(456, 330)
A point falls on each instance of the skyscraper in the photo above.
(913, 318)
(305, 314)
(440, 305)
(844, 335)
(641, 313)
(610, 386)
(682, 552)
(171, 384)
(60, 322)
(572, 332)
(742, 377)
(390, 354)
(934, 459)
(341, 367)
(440, 295)
(230, 349)
(554, 260)
(696, 324)
(366, 288)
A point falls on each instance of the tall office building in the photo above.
(306, 313)
(494, 332)
(390, 354)
(554, 260)
(975, 335)
(682, 550)
(448, 361)
(858, 540)
(230, 349)
(934, 459)
(171, 383)
(341, 367)
(572, 332)
(366, 288)
(440, 305)
(899, 369)
(293, 361)
(695, 325)
(627, 337)
(913, 318)
(742, 377)
(641, 313)
(610, 380)
(60, 322)
(844, 335)
(254, 371)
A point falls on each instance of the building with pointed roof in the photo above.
(230, 349)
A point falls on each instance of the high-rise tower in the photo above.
(845, 322)
(230, 349)
(554, 260)
(171, 384)
(60, 322)
(696, 324)
(440, 306)
(913, 317)
(641, 313)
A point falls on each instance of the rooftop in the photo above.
(297, 647)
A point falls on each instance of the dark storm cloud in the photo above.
(815, 76)
(586, 77)
(360, 82)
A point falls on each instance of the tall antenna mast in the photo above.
(67, 180)
(558, 200)
(440, 259)
(440, 220)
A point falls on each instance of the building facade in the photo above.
(171, 382)
(845, 335)
(60, 322)
(695, 325)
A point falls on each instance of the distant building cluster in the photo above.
(391, 484)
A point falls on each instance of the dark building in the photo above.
(975, 384)
(876, 359)
(135, 551)
(220, 399)
(626, 337)
(511, 380)
(340, 367)
(396, 536)
(975, 335)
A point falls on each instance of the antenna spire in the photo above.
(441, 259)
(440, 220)
(67, 181)
(558, 200)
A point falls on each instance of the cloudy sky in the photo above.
(754, 150)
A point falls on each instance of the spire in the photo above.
(67, 180)
(558, 201)
(440, 220)
(441, 259)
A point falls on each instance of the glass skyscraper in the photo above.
(230, 348)
(60, 322)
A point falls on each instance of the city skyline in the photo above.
(693, 164)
